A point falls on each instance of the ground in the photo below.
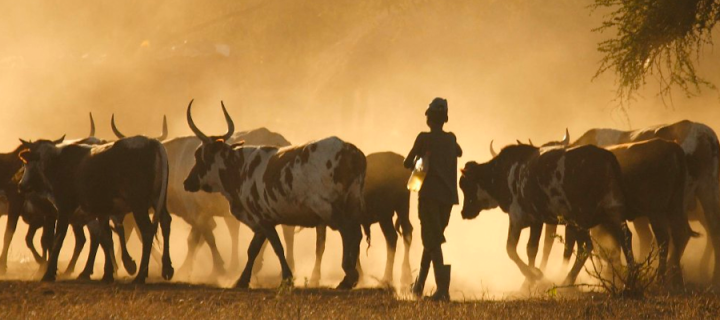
(95, 300)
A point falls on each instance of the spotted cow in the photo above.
(579, 186)
(320, 182)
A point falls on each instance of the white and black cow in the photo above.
(653, 175)
(701, 147)
(579, 186)
(104, 181)
(320, 182)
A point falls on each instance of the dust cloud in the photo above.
(362, 70)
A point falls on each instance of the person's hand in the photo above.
(409, 163)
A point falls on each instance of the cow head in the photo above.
(36, 156)
(475, 183)
(209, 157)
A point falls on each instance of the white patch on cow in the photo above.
(558, 200)
(212, 176)
(100, 148)
(484, 197)
(515, 211)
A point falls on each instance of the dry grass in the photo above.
(93, 300)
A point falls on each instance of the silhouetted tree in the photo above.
(660, 38)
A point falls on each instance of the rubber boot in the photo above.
(442, 279)
(419, 285)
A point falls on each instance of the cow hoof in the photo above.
(346, 284)
(241, 284)
(84, 276)
(130, 266)
(139, 280)
(108, 278)
(48, 278)
(168, 272)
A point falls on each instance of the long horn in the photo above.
(164, 130)
(193, 127)
(530, 141)
(92, 126)
(115, 129)
(58, 141)
(492, 151)
(231, 125)
(518, 141)
(566, 139)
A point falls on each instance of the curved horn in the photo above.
(92, 126)
(193, 127)
(530, 141)
(566, 139)
(115, 129)
(231, 125)
(164, 134)
(58, 141)
(492, 151)
(518, 141)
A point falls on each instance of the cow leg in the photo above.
(550, 231)
(571, 238)
(94, 229)
(29, 237)
(106, 241)
(708, 194)
(79, 231)
(642, 229)
(147, 231)
(47, 237)
(391, 238)
(708, 251)
(10, 226)
(531, 273)
(218, 263)
(585, 246)
(192, 242)
(255, 244)
(351, 237)
(60, 232)
(662, 237)
(533, 243)
(156, 256)
(260, 258)
(234, 228)
(407, 230)
(274, 239)
(321, 234)
(289, 236)
(165, 220)
(128, 261)
(681, 233)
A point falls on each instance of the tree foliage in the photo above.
(660, 38)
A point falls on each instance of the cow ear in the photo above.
(237, 144)
(462, 171)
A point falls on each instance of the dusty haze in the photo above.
(364, 71)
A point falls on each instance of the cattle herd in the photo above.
(653, 178)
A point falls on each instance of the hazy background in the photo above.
(361, 70)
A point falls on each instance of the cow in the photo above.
(198, 209)
(653, 175)
(386, 194)
(700, 145)
(104, 181)
(10, 174)
(581, 187)
(320, 182)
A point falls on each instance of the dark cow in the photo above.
(104, 181)
(579, 186)
(10, 174)
(317, 183)
(700, 144)
(386, 194)
(653, 175)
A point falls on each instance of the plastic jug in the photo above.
(418, 176)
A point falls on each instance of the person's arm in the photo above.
(414, 152)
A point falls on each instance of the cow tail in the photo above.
(161, 201)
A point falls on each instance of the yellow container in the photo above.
(417, 177)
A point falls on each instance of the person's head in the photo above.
(437, 113)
